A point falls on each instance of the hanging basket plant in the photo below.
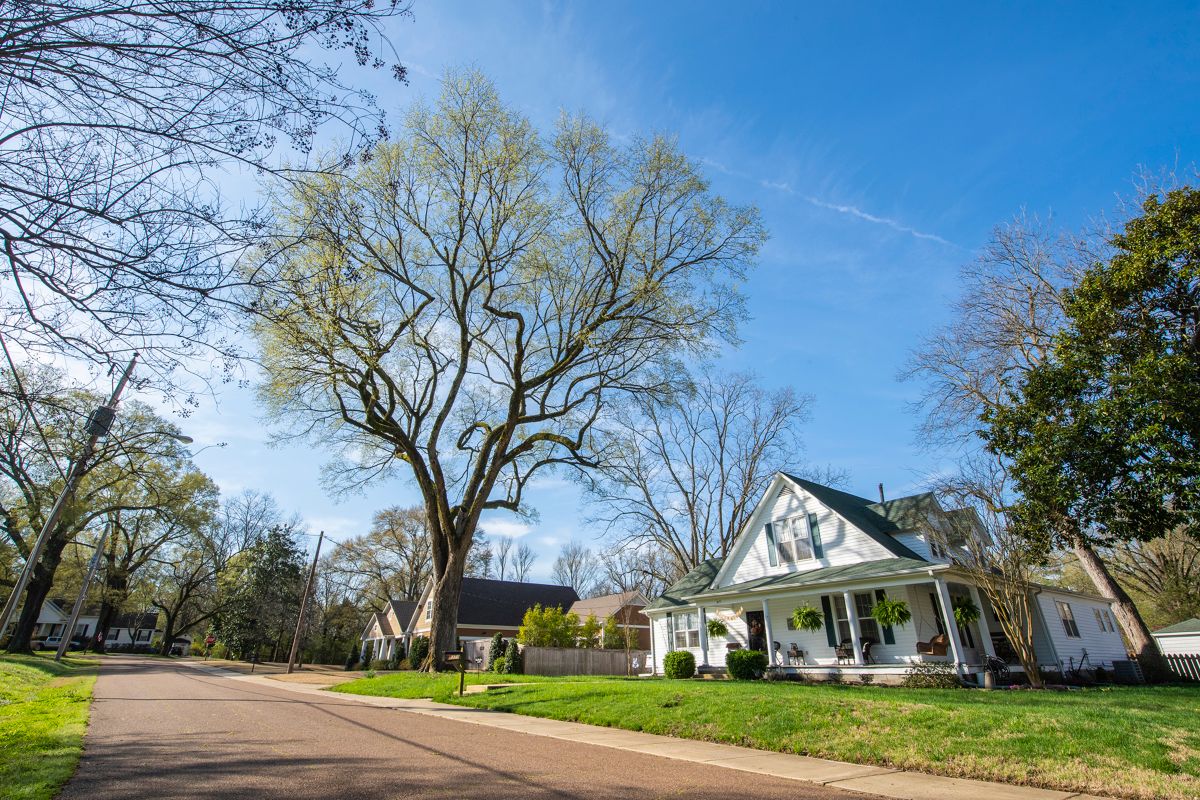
(965, 612)
(717, 628)
(807, 618)
(891, 613)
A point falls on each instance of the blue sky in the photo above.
(882, 144)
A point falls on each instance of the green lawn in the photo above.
(1132, 742)
(43, 714)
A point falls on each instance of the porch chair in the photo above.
(844, 651)
(935, 646)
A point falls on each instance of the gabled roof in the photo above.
(696, 581)
(1187, 626)
(862, 514)
(403, 611)
(381, 621)
(607, 605)
(489, 602)
(132, 620)
(814, 577)
(907, 513)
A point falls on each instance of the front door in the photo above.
(757, 631)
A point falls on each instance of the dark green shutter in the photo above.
(814, 530)
(889, 637)
(771, 553)
(830, 623)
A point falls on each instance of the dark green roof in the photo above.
(862, 514)
(1187, 626)
(907, 513)
(846, 572)
(694, 582)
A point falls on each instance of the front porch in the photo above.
(850, 645)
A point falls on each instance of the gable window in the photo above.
(1068, 618)
(935, 547)
(867, 626)
(429, 610)
(1103, 620)
(793, 539)
(687, 630)
(1112, 628)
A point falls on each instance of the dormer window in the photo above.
(935, 547)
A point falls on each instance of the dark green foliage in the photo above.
(352, 660)
(717, 628)
(418, 651)
(498, 664)
(891, 613)
(965, 611)
(679, 664)
(1105, 435)
(932, 675)
(496, 651)
(807, 618)
(513, 665)
(745, 665)
(263, 584)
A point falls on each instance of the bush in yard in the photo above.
(932, 675)
(418, 651)
(378, 665)
(352, 660)
(404, 664)
(498, 664)
(495, 651)
(680, 664)
(512, 658)
(549, 627)
(746, 665)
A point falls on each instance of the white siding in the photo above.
(841, 542)
(1185, 644)
(1102, 646)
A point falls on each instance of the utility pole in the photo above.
(312, 572)
(69, 633)
(98, 425)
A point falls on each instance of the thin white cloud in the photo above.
(779, 186)
(891, 223)
(509, 528)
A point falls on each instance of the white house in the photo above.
(127, 631)
(1180, 639)
(810, 545)
(388, 628)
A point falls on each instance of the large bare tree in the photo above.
(1002, 327)
(684, 474)
(390, 562)
(117, 119)
(469, 302)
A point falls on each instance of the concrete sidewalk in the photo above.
(880, 781)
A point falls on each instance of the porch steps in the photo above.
(712, 673)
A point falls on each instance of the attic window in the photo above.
(794, 541)
(935, 547)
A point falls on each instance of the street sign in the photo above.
(210, 640)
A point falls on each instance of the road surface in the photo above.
(166, 730)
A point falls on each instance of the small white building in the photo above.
(1180, 639)
(811, 545)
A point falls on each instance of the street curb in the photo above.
(862, 778)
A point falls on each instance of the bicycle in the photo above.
(998, 668)
(1080, 674)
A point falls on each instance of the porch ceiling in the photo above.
(884, 568)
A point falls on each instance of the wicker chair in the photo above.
(935, 646)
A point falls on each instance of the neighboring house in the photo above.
(625, 608)
(126, 631)
(808, 544)
(487, 607)
(1180, 639)
(133, 631)
(387, 629)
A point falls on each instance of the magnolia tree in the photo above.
(465, 305)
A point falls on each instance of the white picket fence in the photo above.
(1186, 667)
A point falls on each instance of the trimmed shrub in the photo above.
(378, 665)
(932, 675)
(745, 665)
(418, 651)
(679, 664)
(513, 664)
(352, 660)
(495, 651)
(404, 664)
(498, 664)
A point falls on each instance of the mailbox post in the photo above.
(457, 659)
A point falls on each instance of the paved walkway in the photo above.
(162, 729)
(879, 781)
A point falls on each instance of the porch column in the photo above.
(951, 626)
(767, 632)
(984, 630)
(653, 660)
(362, 656)
(855, 632)
(703, 638)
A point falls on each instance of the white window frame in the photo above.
(1067, 616)
(685, 630)
(429, 611)
(1112, 626)
(867, 626)
(790, 533)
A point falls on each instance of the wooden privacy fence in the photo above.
(581, 661)
(1184, 666)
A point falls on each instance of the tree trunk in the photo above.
(116, 590)
(447, 588)
(38, 588)
(168, 634)
(1154, 666)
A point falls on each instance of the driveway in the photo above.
(161, 729)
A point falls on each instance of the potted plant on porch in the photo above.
(807, 618)
(891, 613)
(965, 611)
(717, 627)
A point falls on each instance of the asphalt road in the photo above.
(165, 730)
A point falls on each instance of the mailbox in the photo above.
(458, 660)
